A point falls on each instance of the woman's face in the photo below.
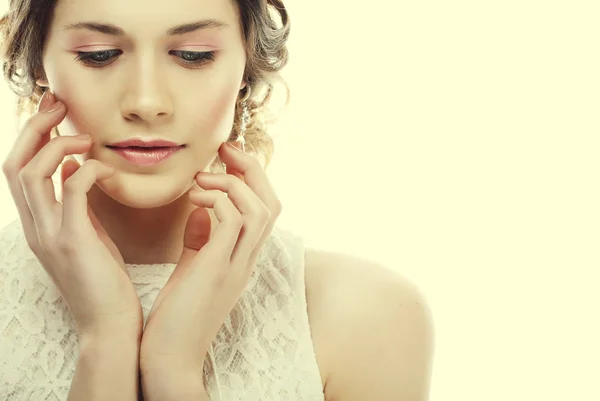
(147, 82)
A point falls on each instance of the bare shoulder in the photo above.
(372, 329)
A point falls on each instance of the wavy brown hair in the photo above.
(23, 30)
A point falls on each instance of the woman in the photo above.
(145, 279)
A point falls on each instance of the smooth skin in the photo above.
(213, 270)
(384, 336)
(77, 254)
(90, 273)
(139, 215)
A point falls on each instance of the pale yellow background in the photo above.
(457, 142)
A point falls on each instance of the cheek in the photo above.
(222, 106)
(214, 114)
(84, 111)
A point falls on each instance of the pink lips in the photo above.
(155, 143)
(146, 155)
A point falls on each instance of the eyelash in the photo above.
(86, 57)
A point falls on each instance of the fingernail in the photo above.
(53, 108)
(46, 100)
(83, 137)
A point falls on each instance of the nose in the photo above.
(146, 98)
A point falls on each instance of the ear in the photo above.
(42, 80)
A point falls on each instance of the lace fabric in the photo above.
(264, 350)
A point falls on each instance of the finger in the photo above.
(256, 179)
(253, 175)
(229, 169)
(34, 135)
(246, 201)
(234, 172)
(255, 214)
(197, 230)
(230, 221)
(75, 201)
(69, 167)
(36, 177)
(195, 237)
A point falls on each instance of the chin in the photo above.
(144, 191)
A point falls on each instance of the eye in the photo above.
(194, 58)
(97, 59)
(102, 58)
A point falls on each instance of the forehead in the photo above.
(144, 15)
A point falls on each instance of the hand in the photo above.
(67, 237)
(212, 272)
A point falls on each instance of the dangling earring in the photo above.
(245, 119)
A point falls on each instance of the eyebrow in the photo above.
(114, 30)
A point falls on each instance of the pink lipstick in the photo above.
(146, 156)
(142, 152)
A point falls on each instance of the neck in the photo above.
(143, 236)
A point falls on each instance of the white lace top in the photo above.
(264, 351)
